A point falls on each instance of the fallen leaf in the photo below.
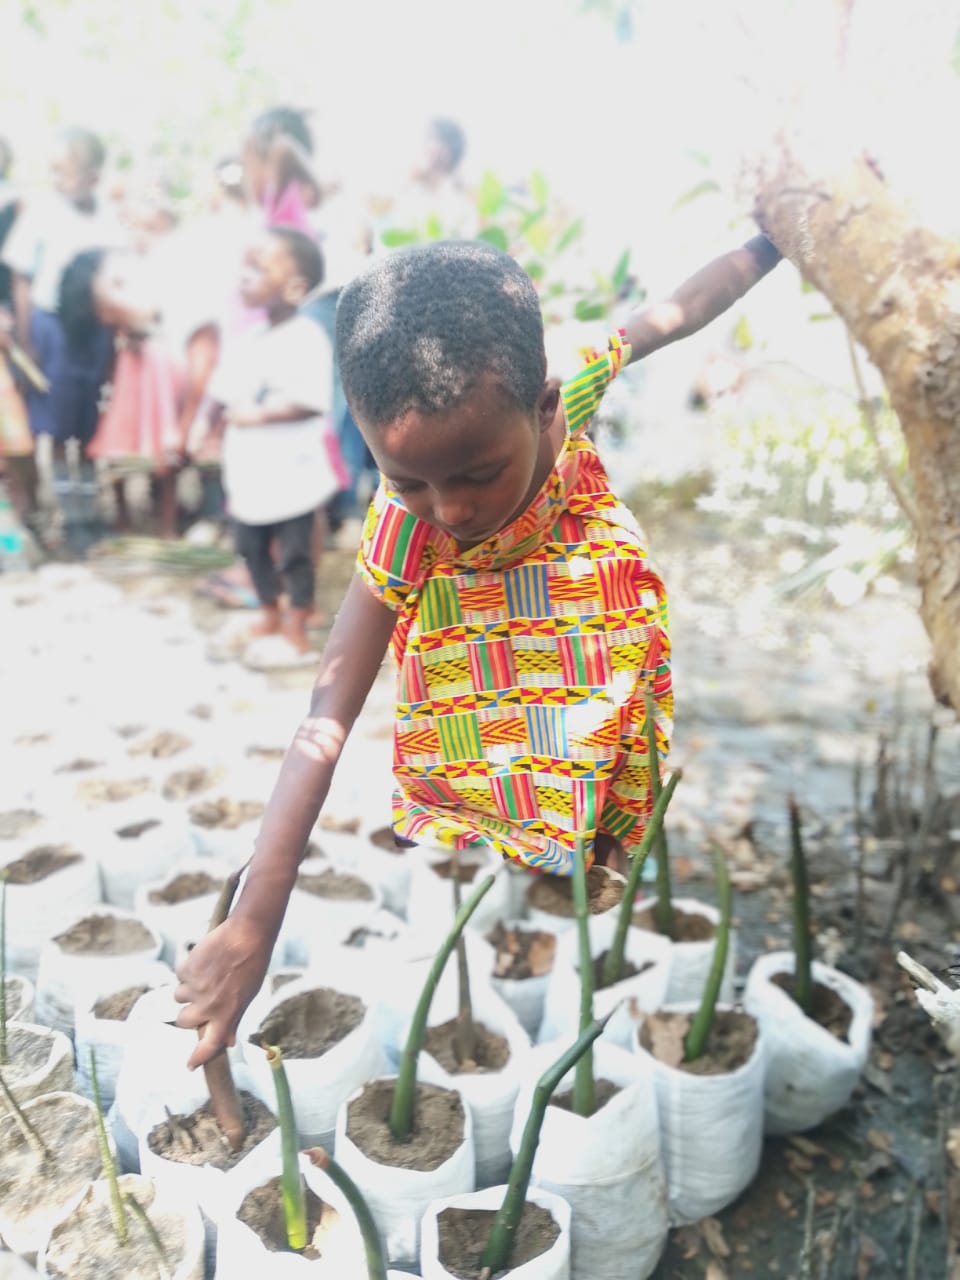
(712, 1232)
(784, 1201)
(868, 1253)
(885, 1061)
(876, 1162)
(825, 1198)
(715, 1271)
(806, 1147)
(666, 1034)
(867, 1191)
(879, 1139)
(541, 954)
(687, 1240)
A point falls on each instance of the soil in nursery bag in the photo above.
(308, 1024)
(161, 746)
(555, 893)
(91, 1252)
(438, 1126)
(627, 970)
(133, 830)
(15, 823)
(603, 1091)
(186, 783)
(688, 926)
(829, 1010)
(105, 935)
(198, 1139)
(27, 1053)
(40, 863)
(363, 934)
(224, 814)
(69, 1133)
(262, 1211)
(80, 765)
(522, 953)
(445, 870)
(116, 1007)
(190, 884)
(730, 1043)
(491, 1051)
(93, 791)
(463, 1236)
(384, 839)
(266, 753)
(335, 884)
(278, 980)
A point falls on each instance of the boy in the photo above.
(273, 392)
(524, 616)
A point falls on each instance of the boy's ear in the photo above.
(548, 406)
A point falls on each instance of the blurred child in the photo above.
(273, 392)
(278, 171)
(523, 611)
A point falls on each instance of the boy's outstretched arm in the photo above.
(706, 295)
(225, 969)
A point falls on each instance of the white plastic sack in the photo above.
(179, 923)
(37, 911)
(690, 962)
(232, 844)
(711, 1130)
(108, 1037)
(430, 911)
(309, 915)
(552, 1265)
(317, 1085)
(810, 1073)
(136, 845)
(541, 919)
(398, 1198)
(53, 1074)
(490, 1095)
(64, 1252)
(644, 991)
(388, 870)
(607, 1167)
(241, 1252)
(62, 975)
(19, 996)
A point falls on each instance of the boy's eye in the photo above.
(484, 477)
(405, 486)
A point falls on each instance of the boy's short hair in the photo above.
(420, 329)
(88, 146)
(304, 251)
(270, 124)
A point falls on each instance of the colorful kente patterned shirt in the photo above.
(523, 661)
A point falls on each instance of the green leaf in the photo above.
(743, 334)
(817, 316)
(531, 220)
(490, 195)
(539, 188)
(495, 236)
(433, 228)
(586, 310)
(707, 187)
(534, 269)
(394, 237)
(573, 232)
(621, 270)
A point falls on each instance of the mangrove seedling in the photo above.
(219, 1078)
(613, 963)
(695, 1041)
(802, 977)
(663, 911)
(372, 1244)
(3, 968)
(291, 1179)
(30, 1134)
(500, 1242)
(584, 1094)
(465, 1035)
(404, 1091)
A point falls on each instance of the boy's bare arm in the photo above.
(706, 295)
(265, 415)
(225, 970)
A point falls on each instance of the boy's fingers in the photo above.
(190, 1017)
(213, 1038)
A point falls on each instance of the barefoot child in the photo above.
(273, 392)
(523, 612)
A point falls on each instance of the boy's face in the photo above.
(473, 470)
(270, 275)
(72, 175)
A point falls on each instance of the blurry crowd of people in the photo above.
(135, 341)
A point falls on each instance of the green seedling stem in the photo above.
(404, 1092)
(695, 1040)
(372, 1244)
(294, 1196)
(3, 968)
(465, 1036)
(140, 1213)
(219, 1078)
(663, 911)
(117, 1211)
(802, 979)
(584, 1094)
(496, 1254)
(30, 1134)
(613, 964)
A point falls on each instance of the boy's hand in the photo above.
(245, 415)
(218, 979)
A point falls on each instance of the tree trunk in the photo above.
(897, 286)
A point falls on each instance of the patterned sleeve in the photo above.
(582, 394)
(395, 552)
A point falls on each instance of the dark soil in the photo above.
(628, 970)
(184, 783)
(116, 1007)
(445, 870)
(190, 884)
(27, 1052)
(437, 1126)
(94, 791)
(15, 823)
(161, 746)
(196, 1138)
(308, 1024)
(688, 926)
(554, 893)
(262, 1211)
(335, 884)
(384, 838)
(361, 936)
(227, 815)
(134, 830)
(87, 1249)
(106, 935)
(278, 980)
(80, 765)
(463, 1235)
(69, 1132)
(491, 1051)
(522, 953)
(732, 1039)
(46, 860)
(603, 1089)
(267, 753)
(828, 1009)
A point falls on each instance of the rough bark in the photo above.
(897, 286)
